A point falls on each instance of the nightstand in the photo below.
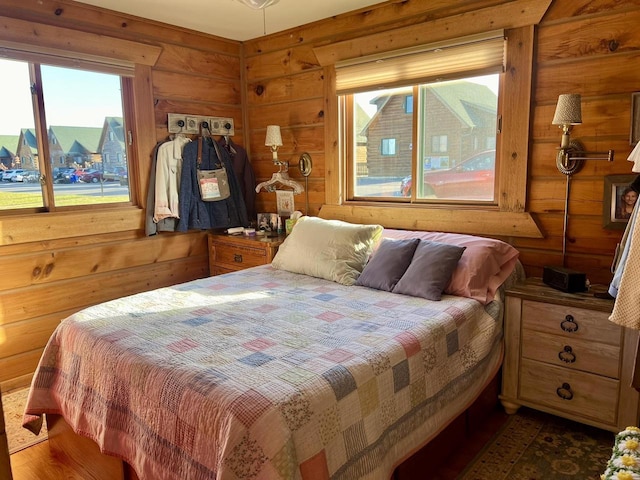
(229, 253)
(563, 356)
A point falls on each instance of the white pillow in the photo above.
(329, 249)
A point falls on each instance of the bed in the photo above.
(269, 373)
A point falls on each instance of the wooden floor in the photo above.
(36, 463)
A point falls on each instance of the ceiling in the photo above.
(231, 19)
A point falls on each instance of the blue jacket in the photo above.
(198, 214)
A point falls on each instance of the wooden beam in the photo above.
(48, 39)
(473, 222)
(518, 13)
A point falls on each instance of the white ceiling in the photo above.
(231, 19)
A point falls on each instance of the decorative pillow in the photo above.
(329, 249)
(484, 266)
(430, 270)
(391, 260)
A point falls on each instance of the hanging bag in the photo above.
(214, 184)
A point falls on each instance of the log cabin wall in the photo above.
(52, 265)
(582, 46)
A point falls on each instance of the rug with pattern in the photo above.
(536, 446)
(13, 405)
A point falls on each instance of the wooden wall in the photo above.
(51, 265)
(583, 46)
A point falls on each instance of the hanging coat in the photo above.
(245, 174)
(198, 214)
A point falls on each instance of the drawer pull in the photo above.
(237, 258)
(569, 324)
(564, 392)
(567, 355)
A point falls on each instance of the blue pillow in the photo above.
(388, 264)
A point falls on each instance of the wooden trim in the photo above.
(16, 229)
(473, 222)
(515, 14)
(67, 43)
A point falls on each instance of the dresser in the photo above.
(563, 356)
(229, 253)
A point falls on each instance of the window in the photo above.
(66, 145)
(408, 104)
(452, 92)
(388, 146)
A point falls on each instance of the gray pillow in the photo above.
(388, 264)
(430, 270)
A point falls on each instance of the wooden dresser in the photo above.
(228, 253)
(563, 356)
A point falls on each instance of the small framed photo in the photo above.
(618, 202)
(285, 202)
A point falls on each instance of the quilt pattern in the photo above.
(263, 374)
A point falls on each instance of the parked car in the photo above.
(114, 174)
(90, 175)
(64, 175)
(9, 175)
(473, 178)
(3, 173)
(26, 176)
(124, 179)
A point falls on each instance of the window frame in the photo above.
(509, 217)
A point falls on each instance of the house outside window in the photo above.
(408, 104)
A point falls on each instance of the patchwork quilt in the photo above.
(265, 374)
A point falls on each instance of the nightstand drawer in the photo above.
(238, 255)
(587, 395)
(571, 322)
(574, 353)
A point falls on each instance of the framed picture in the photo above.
(635, 118)
(618, 201)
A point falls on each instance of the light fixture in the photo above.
(273, 140)
(258, 4)
(571, 154)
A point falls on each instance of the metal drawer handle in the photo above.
(567, 355)
(569, 324)
(564, 392)
(237, 258)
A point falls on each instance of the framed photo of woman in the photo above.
(619, 200)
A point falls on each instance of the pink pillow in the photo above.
(484, 266)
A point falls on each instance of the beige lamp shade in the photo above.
(274, 139)
(258, 4)
(568, 110)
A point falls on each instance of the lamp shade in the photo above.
(274, 139)
(258, 4)
(568, 110)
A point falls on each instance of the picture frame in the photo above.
(634, 135)
(614, 215)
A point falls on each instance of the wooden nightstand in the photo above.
(563, 356)
(228, 253)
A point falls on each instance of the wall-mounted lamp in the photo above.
(273, 140)
(571, 154)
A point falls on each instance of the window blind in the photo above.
(471, 55)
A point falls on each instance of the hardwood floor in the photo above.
(36, 463)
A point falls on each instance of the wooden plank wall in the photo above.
(45, 276)
(583, 46)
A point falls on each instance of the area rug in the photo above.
(19, 438)
(536, 446)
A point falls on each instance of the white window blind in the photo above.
(471, 55)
